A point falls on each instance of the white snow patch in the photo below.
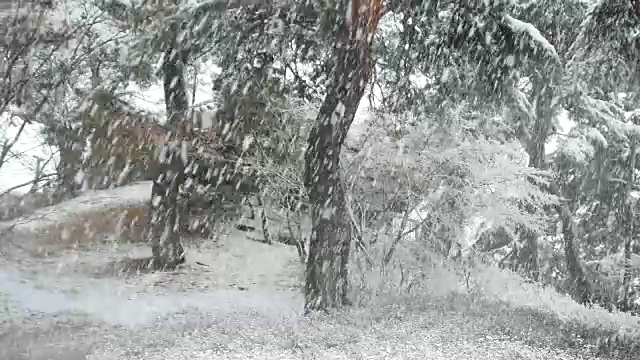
(184, 151)
(527, 28)
(89, 200)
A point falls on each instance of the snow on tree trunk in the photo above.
(168, 210)
(326, 275)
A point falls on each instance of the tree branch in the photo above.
(7, 145)
(30, 182)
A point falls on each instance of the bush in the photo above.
(616, 333)
(500, 299)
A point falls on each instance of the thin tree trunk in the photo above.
(38, 174)
(580, 286)
(525, 257)
(69, 143)
(168, 210)
(263, 221)
(298, 238)
(399, 235)
(629, 229)
(326, 276)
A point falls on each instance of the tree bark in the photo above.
(629, 229)
(168, 211)
(580, 286)
(70, 145)
(326, 275)
(525, 257)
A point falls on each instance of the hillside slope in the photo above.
(237, 298)
(86, 201)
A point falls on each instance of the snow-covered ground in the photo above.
(235, 298)
(229, 277)
(231, 281)
(86, 201)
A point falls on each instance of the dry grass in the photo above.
(123, 224)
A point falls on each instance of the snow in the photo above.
(150, 100)
(229, 275)
(233, 293)
(529, 29)
(596, 136)
(86, 201)
(126, 308)
(234, 299)
(20, 167)
(565, 126)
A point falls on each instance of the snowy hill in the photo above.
(225, 275)
(86, 201)
(236, 298)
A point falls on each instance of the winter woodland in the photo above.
(390, 147)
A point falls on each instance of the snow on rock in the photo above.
(88, 200)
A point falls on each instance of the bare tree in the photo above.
(33, 88)
(21, 37)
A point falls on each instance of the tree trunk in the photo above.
(263, 221)
(168, 212)
(326, 276)
(70, 144)
(525, 257)
(580, 286)
(629, 229)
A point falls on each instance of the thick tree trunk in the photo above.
(166, 215)
(326, 277)
(168, 210)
